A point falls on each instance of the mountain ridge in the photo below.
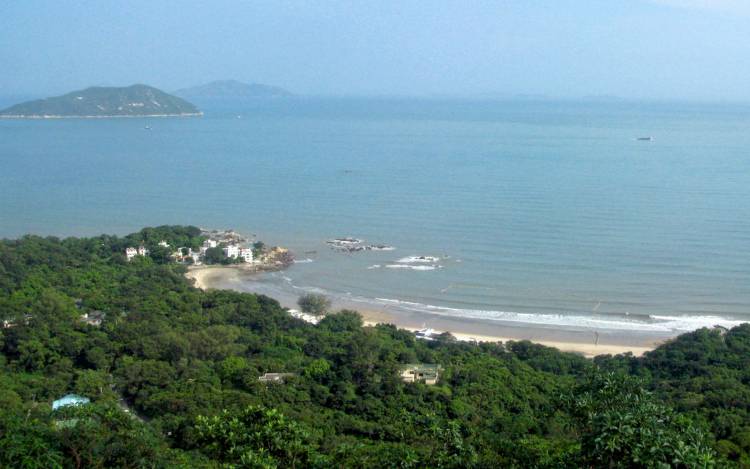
(232, 89)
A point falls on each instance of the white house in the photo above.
(210, 243)
(130, 253)
(232, 251)
(163, 243)
(196, 256)
(246, 254)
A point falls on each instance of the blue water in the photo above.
(544, 212)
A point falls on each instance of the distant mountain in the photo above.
(130, 101)
(232, 89)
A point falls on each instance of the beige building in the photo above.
(420, 373)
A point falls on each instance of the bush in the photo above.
(314, 303)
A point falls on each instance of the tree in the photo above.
(622, 426)
(214, 256)
(314, 303)
(258, 248)
(27, 443)
(343, 321)
(256, 437)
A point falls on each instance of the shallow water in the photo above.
(541, 212)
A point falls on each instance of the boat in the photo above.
(645, 139)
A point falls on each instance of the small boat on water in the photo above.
(148, 127)
(644, 139)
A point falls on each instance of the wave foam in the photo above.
(413, 267)
(644, 323)
(418, 260)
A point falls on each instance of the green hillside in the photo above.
(133, 101)
(173, 372)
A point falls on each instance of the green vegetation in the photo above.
(135, 100)
(172, 373)
(314, 303)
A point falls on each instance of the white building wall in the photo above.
(232, 251)
(246, 254)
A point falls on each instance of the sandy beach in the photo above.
(584, 342)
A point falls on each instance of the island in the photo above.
(232, 89)
(102, 102)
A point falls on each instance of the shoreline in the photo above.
(116, 116)
(587, 343)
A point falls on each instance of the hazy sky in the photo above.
(697, 49)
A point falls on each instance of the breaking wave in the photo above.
(418, 260)
(652, 323)
(413, 267)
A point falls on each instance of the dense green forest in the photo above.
(172, 375)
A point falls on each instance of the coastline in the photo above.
(586, 343)
(115, 116)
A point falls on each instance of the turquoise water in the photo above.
(541, 212)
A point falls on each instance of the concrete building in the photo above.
(274, 377)
(246, 254)
(196, 256)
(93, 318)
(232, 251)
(210, 243)
(420, 373)
(130, 253)
(70, 399)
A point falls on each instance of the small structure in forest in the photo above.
(275, 377)
(68, 400)
(420, 373)
(93, 318)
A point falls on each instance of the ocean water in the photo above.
(542, 212)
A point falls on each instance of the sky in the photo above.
(655, 49)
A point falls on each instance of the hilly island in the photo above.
(233, 89)
(99, 102)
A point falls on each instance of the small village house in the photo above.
(232, 251)
(420, 373)
(246, 254)
(275, 377)
(68, 400)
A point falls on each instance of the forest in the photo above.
(172, 375)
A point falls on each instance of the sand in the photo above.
(585, 342)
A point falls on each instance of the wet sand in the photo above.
(586, 342)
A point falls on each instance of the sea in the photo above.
(565, 214)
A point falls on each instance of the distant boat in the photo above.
(645, 139)
(148, 127)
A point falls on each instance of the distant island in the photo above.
(232, 89)
(130, 101)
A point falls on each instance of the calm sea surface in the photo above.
(541, 212)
